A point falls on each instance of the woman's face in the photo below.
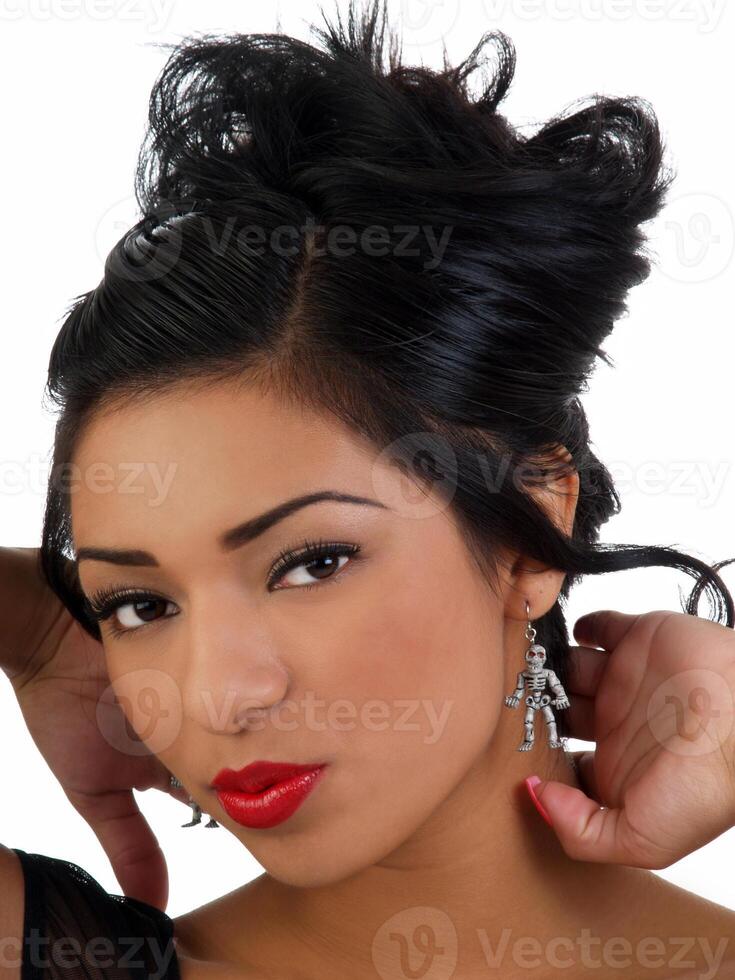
(386, 663)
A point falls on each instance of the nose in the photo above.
(232, 674)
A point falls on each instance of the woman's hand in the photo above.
(67, 703)
(658, 700)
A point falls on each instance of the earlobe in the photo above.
(535, 584)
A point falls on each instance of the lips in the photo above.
(260, 775)
(264, 794)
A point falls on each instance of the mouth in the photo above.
(260, 775)
(265, 794)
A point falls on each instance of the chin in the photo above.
(315, 858)
(309, 870)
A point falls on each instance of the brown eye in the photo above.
(311, 564)
(319, 568)
(144, 609)
(126, 610)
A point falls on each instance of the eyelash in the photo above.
(105, 602)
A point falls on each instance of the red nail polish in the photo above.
(531, 784)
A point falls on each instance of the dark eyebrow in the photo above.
(236, 536)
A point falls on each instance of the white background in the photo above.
(75, 79)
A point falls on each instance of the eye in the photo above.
(125, 606)
(128, 611)
(131, 610)
(314, 559)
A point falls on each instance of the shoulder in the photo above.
(230, 937)
(11, 911)
(60, 905)
(687, 914)
(693, 908)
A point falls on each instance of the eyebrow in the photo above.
(236, 536)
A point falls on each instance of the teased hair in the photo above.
(470, 362)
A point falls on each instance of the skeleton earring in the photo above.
(197, 810)
(534, 680)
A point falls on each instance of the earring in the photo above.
(534, 679)
(197, 810)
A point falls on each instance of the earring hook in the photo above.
(530, 631)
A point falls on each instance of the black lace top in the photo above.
(74, 930)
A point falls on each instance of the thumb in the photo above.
(129, 842)
(586, 830)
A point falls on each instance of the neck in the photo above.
(482, 882)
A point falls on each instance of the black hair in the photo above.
(467, 368)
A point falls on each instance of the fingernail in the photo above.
(531, 784)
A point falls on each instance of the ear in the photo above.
(527, 578)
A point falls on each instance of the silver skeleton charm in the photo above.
(196, 809)
(534, 680)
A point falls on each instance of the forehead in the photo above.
(190, 454)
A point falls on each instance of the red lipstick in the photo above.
(264, 794)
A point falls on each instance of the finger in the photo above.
(162, 782)
(589, 832)
(604, 627)
(179, 793)
(584, 761)
(585, 669)
(129, 843)
(580, 717)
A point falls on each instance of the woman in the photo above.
(322, 483)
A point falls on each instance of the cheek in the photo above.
(435, 669)
(148, 699)
(432, 668)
